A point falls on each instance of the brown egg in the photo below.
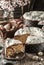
(21, 25)
(16, 20)
(7, 26)
(12, 22)
(13, 27)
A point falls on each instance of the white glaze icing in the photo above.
(22, 31)
(34, 40)
(10, 42)
(36, 31)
